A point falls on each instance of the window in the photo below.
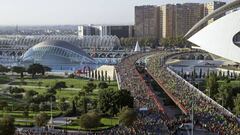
(236, 39)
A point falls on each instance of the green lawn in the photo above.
(24, 124)
(4, 79)
(76, 83)
(68, 93)
(235, 83)
(20, 120)
(19, 114)
(106, 123)
(11, 101)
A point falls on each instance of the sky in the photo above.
(68, 12)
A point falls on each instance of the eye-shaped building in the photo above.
(57, 54)
(221, 37)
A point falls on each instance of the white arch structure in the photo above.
(217, 37)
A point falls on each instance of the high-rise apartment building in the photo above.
(171, 20)
(211, 6)
(176, 20)
(167, 21)
(186, 16)
(146, 21)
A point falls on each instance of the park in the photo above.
(32, 98)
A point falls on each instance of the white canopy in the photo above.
(137, 48)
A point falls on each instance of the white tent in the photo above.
(137, 48)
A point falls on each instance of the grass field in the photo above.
(106, 123)
(4, 79)
(73, 87)
(235, 83)
(33, 84)
(76, 83)
(20, 120)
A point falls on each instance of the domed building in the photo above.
(58, 55)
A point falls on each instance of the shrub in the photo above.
(16, 90)
(4, 79)
(90, 120)
(41, 119)
(71, 76)
(127, 116)
(102, 85)
(17, 95)
(7, 126)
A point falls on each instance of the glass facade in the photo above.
(236, 39)
(59, 55)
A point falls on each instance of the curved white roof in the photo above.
(217, 37)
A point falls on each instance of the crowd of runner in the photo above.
(151, 119)
(207, 113)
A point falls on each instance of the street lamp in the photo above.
(66, 124)
(192, 118)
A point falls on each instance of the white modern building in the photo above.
(221, 37)
(105, 30)
(91, 30)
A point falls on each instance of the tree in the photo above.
(3, 104)
(34, 107)
(124, 99)
(74, 109)
(7, 125)
(212, 84)
(92, 74)
(63, 105)
(224, 95)
(89, 72)
(89, 87)
(200, 73)
(127, 116)
(49, 97)
(106, 76)
(237, 104)
(102, 76)
(60, 85)
(39, 84)
(38, 99)
(41, 119)
(102, 85)
(29, 94)
(107, 101)
(19, 70)
(98, 76)
(3, 69)
(43, 106)
(51, 91)
(16, 90)
(90, 120)
(109, 79)
(35, 69)
(25, 114)
(85, 100)
(220, 74)
(111, 101)
(228, 73)
(46, 68)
